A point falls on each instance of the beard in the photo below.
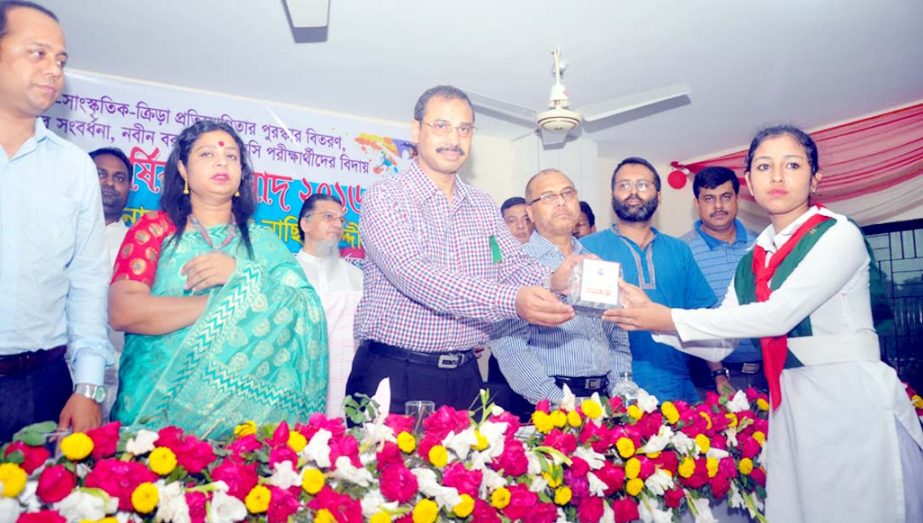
(635, 212)
(327, 248)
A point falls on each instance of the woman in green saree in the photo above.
(221, 324)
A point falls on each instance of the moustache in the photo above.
(717, 214)
(451, 148)
(109, 192)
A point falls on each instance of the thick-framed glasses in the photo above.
(640, 185)
(549, 198)
(328, 217)
(442, 128)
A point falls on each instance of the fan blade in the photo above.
(553, 137)
(631, 102)
(514, 111)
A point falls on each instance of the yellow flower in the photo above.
(745, 466)
(711, 465)
(573, 419)
(379, 517)
(917, 401)
(162, 461)
(634, 486)
(257, 499)
(145, 497)
(626, 447)
(500, 498)
(438, 456)
(668, 409)
(591, 408)
(632, 468)
(297, 441)
(324, 516)
(542, 422)
(635, 412)
(482, 443)
(687, 467)
(562, 495)
(312, 480)
(703, 442)
(425, 511)
(465, 507)
(76, 446)
(762, 404)
(13, 478)
(760, 437)
(553, 481)
(732, 419)
(245, 429)
(558, 419)
(653, 455)
(707, 419)
(406, 442)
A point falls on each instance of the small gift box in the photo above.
(594, 286)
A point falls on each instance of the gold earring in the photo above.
(185, 186)
(237, 194)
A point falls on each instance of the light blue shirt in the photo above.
(718, 260)
(583, 346)
(54, 270)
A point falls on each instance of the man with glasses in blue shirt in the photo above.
(659, 264)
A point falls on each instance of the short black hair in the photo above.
(712, 177)
(588, 211)
(442, 91)
(774, 131)
(636, 160)
(512, 202)
(118, 153)
(310, 203)
(6, 5)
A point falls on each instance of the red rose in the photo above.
(673, 497)
(612, 475)
(344, 508)
(544, 406)
(600, 438)
(512, 423)
(280, 454)
(239, 477)
(590, 510)
(668, 461)
(389, 456)
(647, 467)
(699, 475)
(578, 467)
(727, 468)
(345, 445)
(42, 516)
(197, 503)
(719, 441)
(170, 437)
(196, 455)
(33, 457)
(398, 483)
(483, 512)
(749, 447)
(283, 505)
(245, 445)
(566, 443)
(616, 405)
(105, 440)
(464, 480)
(542, 513)
(318, 421)
(759, 476)
(399, 423)
(719, 486)
(650, 424)
(521, 502)
(119, 479)
(625, 509)
(512, 461)
(55, 484)
(446, 420)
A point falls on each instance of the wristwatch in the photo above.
(96, 393)
(723, 371)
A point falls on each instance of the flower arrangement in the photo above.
(592, 460)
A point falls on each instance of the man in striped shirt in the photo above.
(584, 353)
(441, 266)
(718, 241)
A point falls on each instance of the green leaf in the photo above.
(35, 434)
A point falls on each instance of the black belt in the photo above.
(26, 361)
(743, 367)
(443, 360)
(584, 383)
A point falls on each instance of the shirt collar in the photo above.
(712, 242)
(542, 249)
(771, 241)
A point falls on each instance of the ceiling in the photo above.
(749, 63)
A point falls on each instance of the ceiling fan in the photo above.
(559, 118)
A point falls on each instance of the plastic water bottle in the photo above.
(626, 388)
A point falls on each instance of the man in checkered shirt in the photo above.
(441, 266)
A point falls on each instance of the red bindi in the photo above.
(221, 143)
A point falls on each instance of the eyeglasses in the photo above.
(442, 128)
(640, 185)
(328, 217)
(549, 198)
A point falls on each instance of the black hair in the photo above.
(442, 91)
(512, 202)
(810, 148)
(711, 177)
(118, 153)
(311, 202)
(177, 205)
(636, 160)
(6, 5)
(588, 211)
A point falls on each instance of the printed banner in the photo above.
(294, 152)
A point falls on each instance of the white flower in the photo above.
(494, 433)
(646, 402)
(683, 443)
(318, 449)
(735, 500)
(657, 442)
(491, 481)
(89, 504)
(717, 453)
(703, 510)
(731, 435)
(172, 506)
(225, 509)
(538, 484)
(28, 497)
(594, 459)
(284, 475)
(569, 401)
(372, 502)
(347, 472)
(608, 514)
(739, 402)
(9, 510)
(659, 482)
(653, 514)
(377, 433)
(142, 443)
(496, 410)
(430, 487)
(461, 443)
(597, 486)
(535, 466)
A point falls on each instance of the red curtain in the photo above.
(856, 158)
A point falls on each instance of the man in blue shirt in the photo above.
(718, 241)
(585, 353)
(53, 259)
(661, 265)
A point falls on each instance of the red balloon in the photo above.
(677, 179)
